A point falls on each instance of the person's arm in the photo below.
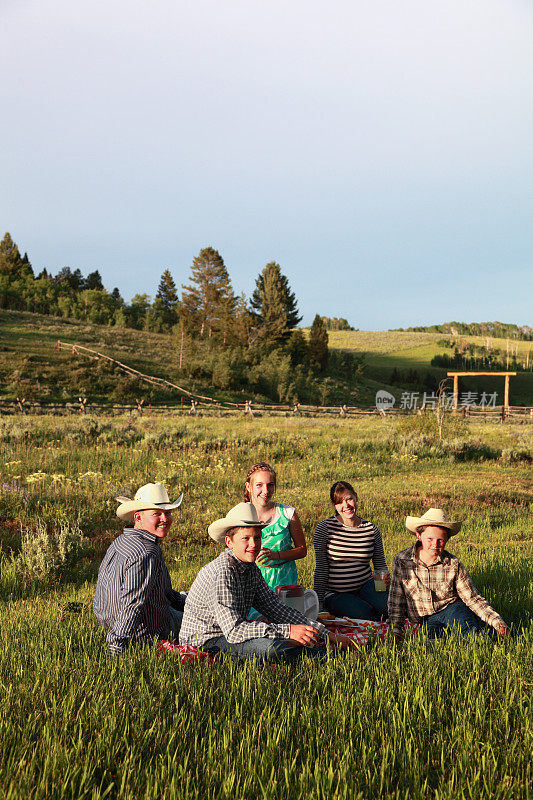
(397, 603)
(223, 601)
(138, 581)
(378, 556)
(298, 551)
(176, 599)
(268, 604)
(320, 543)
(470, 596)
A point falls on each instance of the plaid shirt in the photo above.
(417, 591)
(220, 600)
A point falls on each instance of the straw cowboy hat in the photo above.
(149, 496)
(435, 516)
(242, 515)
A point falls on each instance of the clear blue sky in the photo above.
(379, 150)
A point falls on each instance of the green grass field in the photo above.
(447, 722)
(407, 350)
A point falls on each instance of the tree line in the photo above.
(497, 330)
(469, 356)
(222, 340)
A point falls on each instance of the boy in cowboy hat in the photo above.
(220, 599)
(430, 586)
(134, 598)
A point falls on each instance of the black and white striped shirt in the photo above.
(343, 555)
(133, 593)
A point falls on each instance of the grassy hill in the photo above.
(386, 351)
(32, 366)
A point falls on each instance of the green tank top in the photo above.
(277, 536)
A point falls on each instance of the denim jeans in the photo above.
(457, 615)
(175, 623)
(366, 603)
(264, 649)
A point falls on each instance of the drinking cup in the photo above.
(379, 581)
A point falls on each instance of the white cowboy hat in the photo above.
(151, 495)
(242, 515)
(435, 516)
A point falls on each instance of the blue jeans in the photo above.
(457, 616)
(175, 623)
(263, 649)
(366, 603)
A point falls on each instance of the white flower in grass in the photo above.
(36, 477)
(89, 476)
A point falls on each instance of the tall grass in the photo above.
(451, 721)
(445, 722)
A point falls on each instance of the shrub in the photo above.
(467, 450)
(46, 553)
(512, 456)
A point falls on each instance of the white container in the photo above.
(303, 600)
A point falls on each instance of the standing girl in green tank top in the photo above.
(283, 541)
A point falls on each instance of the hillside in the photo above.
(409, 351)
(32, 366)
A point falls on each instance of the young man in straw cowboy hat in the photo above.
(220, 599)
(430, 586)
(134, 598)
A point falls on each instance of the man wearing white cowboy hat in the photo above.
(431, 586)
(220, 599)
(134, 599)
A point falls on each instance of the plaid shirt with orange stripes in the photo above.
(417, 591)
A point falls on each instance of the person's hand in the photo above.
(503, 632)
(303, 635)
(266, 555)
(383, 576)
(344, 641)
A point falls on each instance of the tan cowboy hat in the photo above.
(151, 495)
(242, 515)
(435, 516)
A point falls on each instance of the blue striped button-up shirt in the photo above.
(133, 593)
(220, 600)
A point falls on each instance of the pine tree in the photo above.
(318, 345)
(167, 295)
(274, 304)
(297, 348)
(167, 290)
(12, 263)
(94, 281)
(207, 304)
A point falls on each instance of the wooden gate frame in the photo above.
(457, 375)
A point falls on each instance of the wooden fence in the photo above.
(188, 407)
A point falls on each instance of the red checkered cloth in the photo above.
(363, 630)
(186, 652)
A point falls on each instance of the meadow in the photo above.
(452, 721)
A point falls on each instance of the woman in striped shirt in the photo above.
(344, 546)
